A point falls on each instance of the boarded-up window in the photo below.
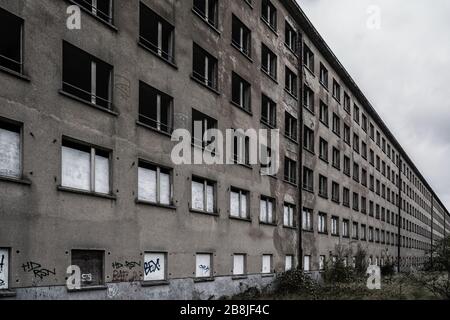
(10, 151)
(266, 210)
(307, 263)
(266, 263)
(203, 195)
(91, 266)
(238, 264)
(154, 184)
(85, 168)
(238, 203)
(4, 268)
(203, 264)
(289, 262)
(154, 266)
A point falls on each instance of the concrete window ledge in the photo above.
(93, 288)
(270, 275)
(15, 180)
(155, 283)
(13, 73)
(239, 278)
(200, 280)
(7, 294)
(87, 193)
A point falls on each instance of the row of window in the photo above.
(154, 266)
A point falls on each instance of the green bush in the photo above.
(295, 282)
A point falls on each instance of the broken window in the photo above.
(10, 150)
(203, 195)
(289, 262)
(100, 8)
(156, 34)
(308, 98)
(154, 184)
(155, 108)
(266, 263)
(204, 67)
(203, 264)
(269, 62)
(267, 210)
(291, 82)
(290, 126)
(91, 264)
(86, 77)
(239, 204)
(268, 111)
(290, 37)
(308, 179)
(241, 92)
(241, 37)
(290, 171)
(4, 269)
(308, 139)
(85, 168)
(307, 219)
(269, 14)
(308, 58)
(289, 215)
(155, 266)
(239, 264)
(201, 123)
(208, 10)
(11, 35)
(323, 76)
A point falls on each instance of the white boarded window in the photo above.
(288, 215)
(266, 263)
(239, 203)
(203, 265)
(4, 269)
(267, 208)
(10, 151)
(154, 266)
(239, 264)
(203, 195)
(154, 184)
(321, 263)
(289, 263)
(307, 263)
(85, 168)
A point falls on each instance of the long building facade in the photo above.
(92, 205)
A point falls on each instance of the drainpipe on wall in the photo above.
(300, 148)
(399, 222)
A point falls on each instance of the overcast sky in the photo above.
(403, 68)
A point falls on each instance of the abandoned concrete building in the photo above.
(86, 177)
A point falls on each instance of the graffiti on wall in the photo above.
(127, 271)
(37, 270)
(4, 269)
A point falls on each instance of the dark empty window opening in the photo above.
(290, 37)
(269, 62)
(91, 263)
(269, 14)
(241, 37)
(100, 8)
(291, 82)
(268, 112)
(86, 77)
(241, 92)
(204, 67)
(290, 171)
(290, 126)
(208, 10)
(156, 34)
(155, 108)
(201, 123)
(11, 28)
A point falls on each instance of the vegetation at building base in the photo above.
(339, 281)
